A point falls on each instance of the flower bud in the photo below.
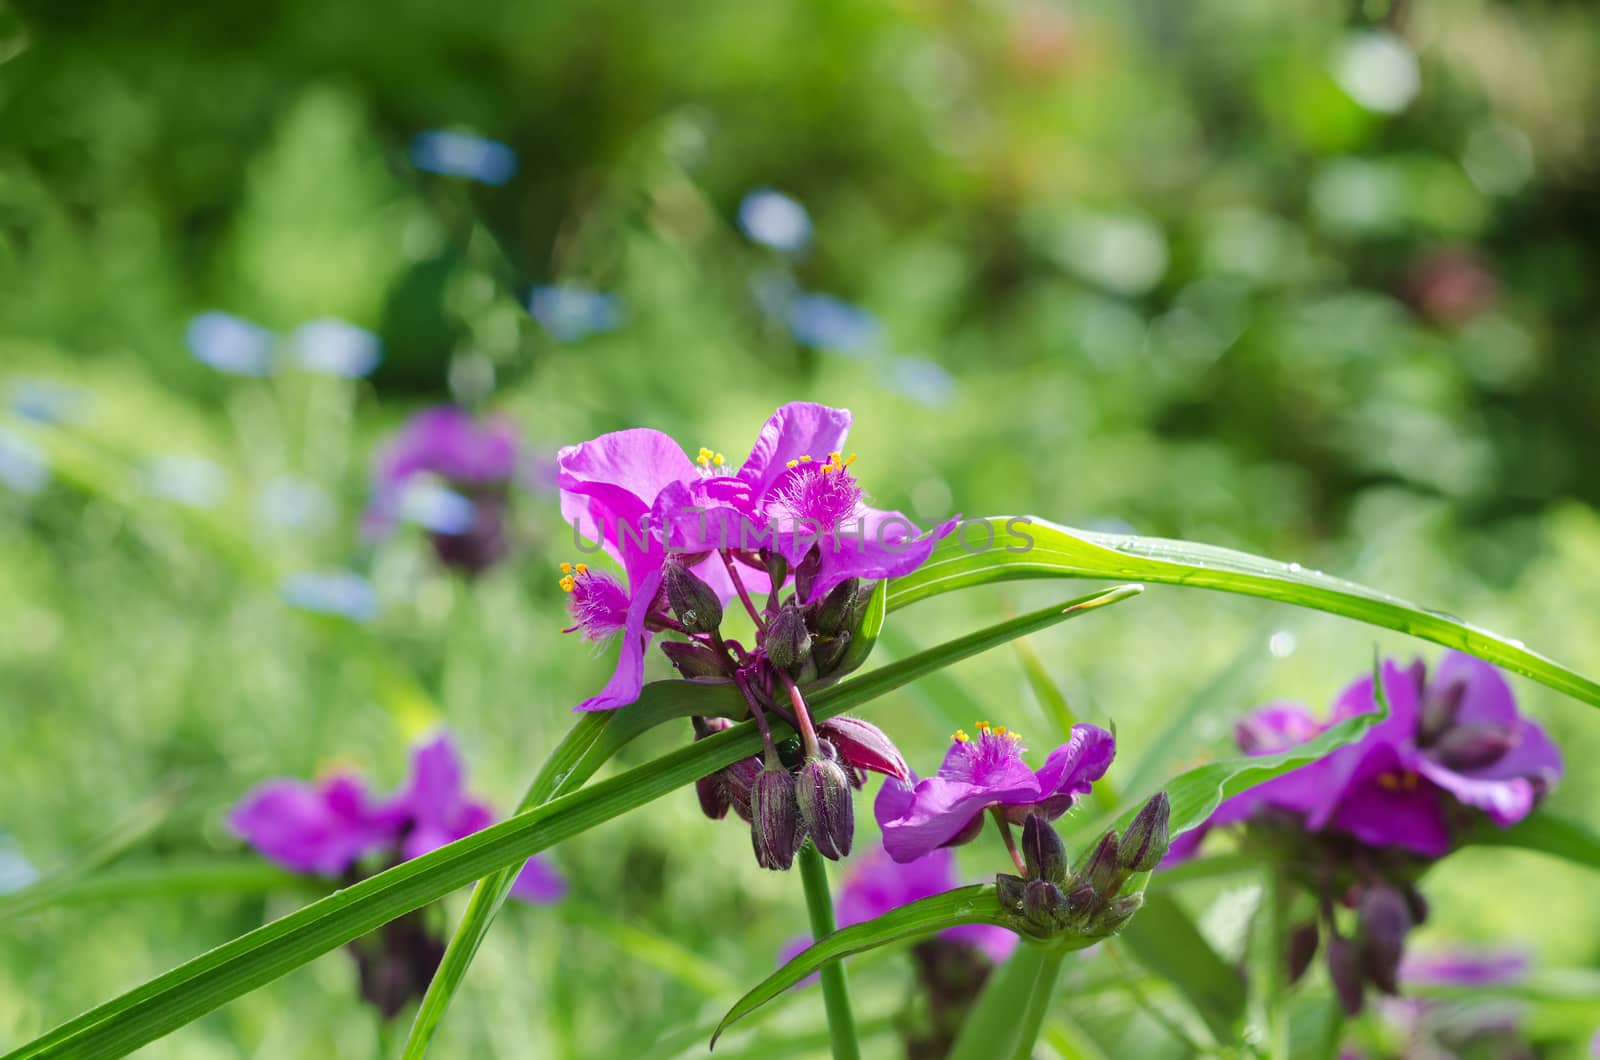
(1081, 903)
(788, 641)
(1145, 843)
(828, 652)
(1040, 901)
(1344, 968)
(834, 611)
(823, 794)
(1104, 871)
(805, 574)
(712, 790)
(777, 567)
(775, 819)
(694, 660)
(1385, 920)
(1011, 890)
(1043, 852)
(1115, 916)
(693, 602)
(1299, 949)
(1467, 747)
(739, 780)
(863, 745)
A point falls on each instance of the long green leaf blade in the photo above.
(1545, 833)
(1060, 552)
(1165, 940)
(187, 992)
(977, 904)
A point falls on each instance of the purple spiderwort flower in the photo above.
(326, 828)
(1496, 967)
(797, 480)
(877, 884)
(451, 473)
(947, 809)
(1453, 739)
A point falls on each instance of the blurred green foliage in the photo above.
(1313, 280)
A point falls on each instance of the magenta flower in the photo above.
(947, 808)
(1451, 741)
(628, 491)
(326, 828)
(877, 884)
(450, 473)
(798, 488)
(1497, 967)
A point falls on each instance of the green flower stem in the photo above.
(1044, 988)
(835, 991)
(991, 1026)
(1269, 1008)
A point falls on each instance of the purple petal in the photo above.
(539, 882)
(1400, 815)
(628, 679)
(940, 810)
(616, 479)
(887, 546)
(1487, 699)
(1274, 728)
(1465, 968)
(319, 829)
(1402, 687)
(797, 429)
(1071, 769)
(1507, 788)
(434, 790)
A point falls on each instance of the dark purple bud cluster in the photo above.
(1085, 899)
(795, 797)
(1385, 914)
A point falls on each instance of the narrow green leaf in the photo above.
(977, 904)
(991, 1026)
(1051, 699)
(192, 989)
(1544, 832)
(653, 949)
(1051, 551)
(1165, 940)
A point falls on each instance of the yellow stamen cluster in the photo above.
(709, 459)
(960, 735)
(569, 573)
(835, 462)
(1392, 781)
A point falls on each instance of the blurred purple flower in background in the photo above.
(23, 467)
(327, 828)
(230, 344)
(774, 220)
(572, 313)
(451, 474)
(987, 771)
(344, 594)
(1466, 967)
(336, 347)
(461, 154)
(878, 884)
(828, 323)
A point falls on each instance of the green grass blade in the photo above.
(187, 992)
(1164, 940)
(976, 904)
(162, 879)
(1545, 833)
(1060, 552)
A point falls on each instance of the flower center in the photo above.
(817, 490)
(973, 757)
(711, 462)
(1398, 780)
(597, 601)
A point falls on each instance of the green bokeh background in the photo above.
(1165, 272)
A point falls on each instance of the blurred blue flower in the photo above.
(573, 313)
(186, 479)
(342, 593)
(436, 508)
(16, 871)
(828, 323)
(230, 344)
(459, 154)
(22, 465)
(335, 347)
(45, 401)
(294, 504)
(923, 381)
(773, 289)
(773, 219)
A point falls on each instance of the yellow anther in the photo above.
(566, 568)
(568, 583)
(705, 452)
(792, 463)
(805, 460)
(719, 459)
(583, 568)
(703, 461)
(1001, 731)
(983, 726)
(849, 460)
(960, 736)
